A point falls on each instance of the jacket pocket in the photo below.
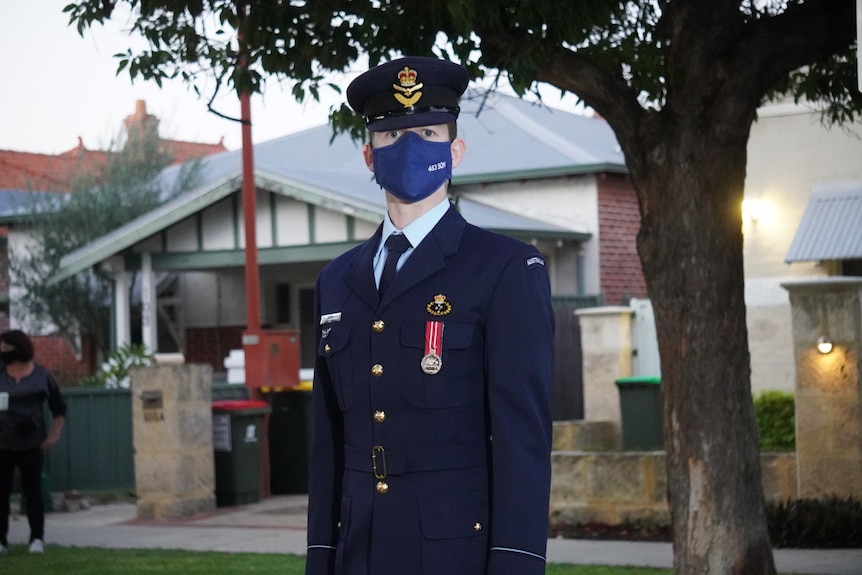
(334, 350)
(461, 374)
(454, 532)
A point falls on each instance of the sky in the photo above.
(57, 86)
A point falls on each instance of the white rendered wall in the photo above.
(570, 203)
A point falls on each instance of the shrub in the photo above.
(830, 523)
(776, 420)
(114, 373)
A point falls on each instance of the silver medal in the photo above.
(431, 363)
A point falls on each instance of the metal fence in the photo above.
(95, 451)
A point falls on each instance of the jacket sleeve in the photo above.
(56, 402)
(520, 365)
(325, 467)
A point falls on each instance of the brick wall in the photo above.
(619, 221)
(212, 344)
(205, 345)
(59, 357)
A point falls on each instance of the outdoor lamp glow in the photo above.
(824, 345)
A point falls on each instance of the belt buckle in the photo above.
(378, 462)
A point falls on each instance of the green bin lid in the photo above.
(639, 380)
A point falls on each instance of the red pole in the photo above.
(251, 338)
(249, 208)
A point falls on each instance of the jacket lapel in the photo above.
(359, 277)
(430, 255)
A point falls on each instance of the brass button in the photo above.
(477, 526)
(327, 348)
(382, 487)
(378, 325)
(376, 370)
(379, 416)
(339, 524)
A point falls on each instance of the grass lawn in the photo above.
(91, 561)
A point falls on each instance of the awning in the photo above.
(831, 227)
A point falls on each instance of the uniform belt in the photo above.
(382, 461)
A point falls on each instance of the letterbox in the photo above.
(271, 359)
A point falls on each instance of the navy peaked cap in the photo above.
(408, 92)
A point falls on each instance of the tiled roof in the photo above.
(29, 172)
(183, 152)
(25, 171)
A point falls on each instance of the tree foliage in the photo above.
(620, 45)
(101, 200)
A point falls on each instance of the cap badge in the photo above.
(439, 306)
(406, 91)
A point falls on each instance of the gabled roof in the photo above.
(831, 227)
(507, 139)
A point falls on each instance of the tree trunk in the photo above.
(691, 248)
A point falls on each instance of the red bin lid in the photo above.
(235, 404)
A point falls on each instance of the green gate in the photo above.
(95, 449)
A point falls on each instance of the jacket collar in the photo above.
(428, 258)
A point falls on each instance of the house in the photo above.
(802, 218)
(23, 174)
(544, 176)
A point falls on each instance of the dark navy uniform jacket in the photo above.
(433, 474)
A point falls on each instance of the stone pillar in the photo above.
(828, 412)
(606, 341)
(172, 429)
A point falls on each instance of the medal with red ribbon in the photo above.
(432, 361)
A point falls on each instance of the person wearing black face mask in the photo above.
(431, 395)
(25, 386)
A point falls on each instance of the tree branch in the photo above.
(602, 88)
(773, 47)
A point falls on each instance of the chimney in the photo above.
(140, 122)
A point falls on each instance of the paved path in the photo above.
(277, 525)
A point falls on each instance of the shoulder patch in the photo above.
(535, 261)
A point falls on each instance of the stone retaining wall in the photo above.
(593, 482)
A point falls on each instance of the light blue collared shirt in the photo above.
(415, 232)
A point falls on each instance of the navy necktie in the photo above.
(396, 244)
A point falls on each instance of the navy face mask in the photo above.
(412, 168)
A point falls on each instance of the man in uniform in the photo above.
(432, 427)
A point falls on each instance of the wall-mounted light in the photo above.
(824, 342)
(753, 210)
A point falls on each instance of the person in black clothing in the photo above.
(25, 386)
